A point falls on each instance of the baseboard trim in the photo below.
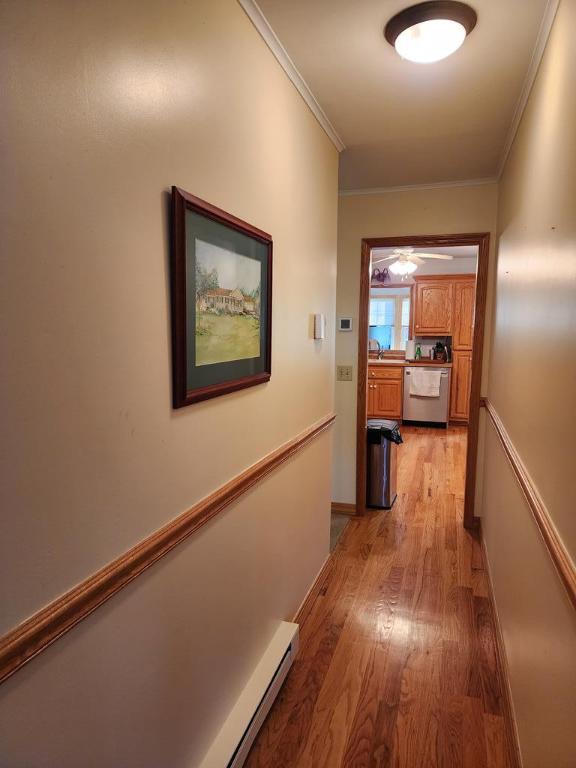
(34, 635)
(554, 544)
(306, 604)
(343, 509)
(502, 657)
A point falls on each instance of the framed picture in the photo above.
(221, 301)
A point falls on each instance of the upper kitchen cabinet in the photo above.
(463, 321)
(444, 306)
(434, 297)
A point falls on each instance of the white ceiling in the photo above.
(405, 123)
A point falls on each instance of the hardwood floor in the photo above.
(397, 663)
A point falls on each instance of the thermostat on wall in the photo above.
(344, 323)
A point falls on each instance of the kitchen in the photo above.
(420, 340)
(436, 326)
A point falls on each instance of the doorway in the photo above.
(433, 242)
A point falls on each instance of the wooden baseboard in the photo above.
(34, 635)
(502, 657)
(343, 509)
(312, 594)
(323, 573)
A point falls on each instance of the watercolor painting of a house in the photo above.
(228, 287)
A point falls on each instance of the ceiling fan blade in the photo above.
(386, 258)
(435, 256)
(415, 259)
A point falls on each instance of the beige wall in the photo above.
(439, 211)
(105, 106)
(532, 386)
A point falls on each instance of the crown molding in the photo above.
(415, 187)
(537, 53)
(263, 27)
(257, 18)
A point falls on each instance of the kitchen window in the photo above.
(389, 321)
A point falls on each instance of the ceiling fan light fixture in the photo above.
(402, 268)
(430, 31)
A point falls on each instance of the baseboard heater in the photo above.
(231, 746)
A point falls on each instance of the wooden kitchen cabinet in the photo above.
(463, 319)
(433, 299)
(384, 394)
(460, 390)
(444, 306)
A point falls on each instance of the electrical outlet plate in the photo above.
(343, 373)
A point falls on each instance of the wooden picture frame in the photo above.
(221, 285)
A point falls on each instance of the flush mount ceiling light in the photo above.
(430, 31)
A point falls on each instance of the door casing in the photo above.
(482, 240)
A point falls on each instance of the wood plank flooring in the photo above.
(397, 663)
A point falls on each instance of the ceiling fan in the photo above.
(406, 261)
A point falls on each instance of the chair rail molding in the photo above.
(554, 544)
(31, 637)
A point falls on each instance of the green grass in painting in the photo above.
(221, 338)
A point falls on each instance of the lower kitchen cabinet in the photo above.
(461, 379)
(384, 394)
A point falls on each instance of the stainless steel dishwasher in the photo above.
(428, 410)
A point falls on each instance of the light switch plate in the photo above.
(343, 373)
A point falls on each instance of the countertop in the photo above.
(411, 363)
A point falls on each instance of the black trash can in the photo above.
(383, 436)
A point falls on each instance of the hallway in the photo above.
(397, 663)
(231, 228)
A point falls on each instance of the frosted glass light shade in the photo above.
(402, 267)
(431, 30)
(430, 40)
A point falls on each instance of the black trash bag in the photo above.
(378, 428)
